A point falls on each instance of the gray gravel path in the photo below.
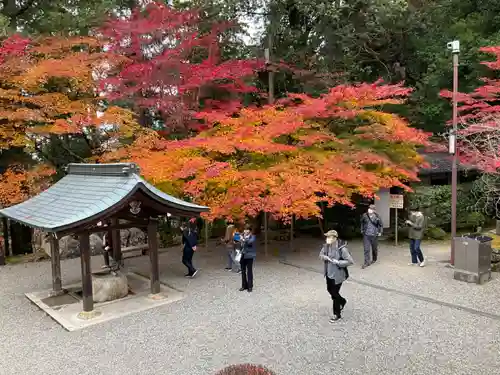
(283, 324)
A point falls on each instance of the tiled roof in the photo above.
(440, 162)
(85, 193)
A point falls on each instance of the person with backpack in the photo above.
(337, 258)
(371, 228)
(189, 242)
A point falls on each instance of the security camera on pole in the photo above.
(455, 50)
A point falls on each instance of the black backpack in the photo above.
(344, 244)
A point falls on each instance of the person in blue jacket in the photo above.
(189, 242)
(249, 252)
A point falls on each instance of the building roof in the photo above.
(439, 162)
(90, 191)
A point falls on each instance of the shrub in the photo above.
(437, 203)
(436, 233)
(245, 369)
(475, 220)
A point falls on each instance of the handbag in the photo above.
(237, 257)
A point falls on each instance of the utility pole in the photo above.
(455, 50)
(267, 53)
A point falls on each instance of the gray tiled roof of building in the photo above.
(439, 162)
(87, 191)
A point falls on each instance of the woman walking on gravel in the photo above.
(249, 252)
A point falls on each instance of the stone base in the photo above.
(108, 286)
(471, 277)
(157, 297)
(57, 293)
(67, 309)
(88, 315)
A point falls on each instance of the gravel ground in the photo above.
(434, 281)
(283, 324)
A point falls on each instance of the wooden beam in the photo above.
(55, 261)
(88, 300)
(153, 255)
(117, 227)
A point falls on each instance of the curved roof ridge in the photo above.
(88, 192)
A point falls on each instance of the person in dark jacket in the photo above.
(249, 252)
(371, 228)
(189, 243)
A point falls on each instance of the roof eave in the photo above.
(195, 209)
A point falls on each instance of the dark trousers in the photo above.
(370, 243)
(187, 260)
(246, 273)
(338, 300)
(415, 251)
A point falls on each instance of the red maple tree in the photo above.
(285, 159)
(478, 138)
(172, 68)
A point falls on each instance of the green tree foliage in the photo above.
(433, 24)
(58, 16)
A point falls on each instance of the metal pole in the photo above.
(270, 98)
(268, 52)
(455, 46)
(396, 227)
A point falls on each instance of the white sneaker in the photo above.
(412, 264)
(422, 264)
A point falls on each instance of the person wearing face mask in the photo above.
(189, 242)
(371, 228)
(416, 221)
(337, 258)
(249, 252)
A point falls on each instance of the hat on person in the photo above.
(332, 233)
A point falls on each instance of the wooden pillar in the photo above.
(88, 300)
(55, 260)
(116, 242)
(6, 237)
(206, 233)
(108, 243)
(2, 254)
(153, 255)
(265, 235)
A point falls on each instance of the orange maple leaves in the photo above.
(51, 88)
(18, 184)
(48, 88)
(285, 159)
